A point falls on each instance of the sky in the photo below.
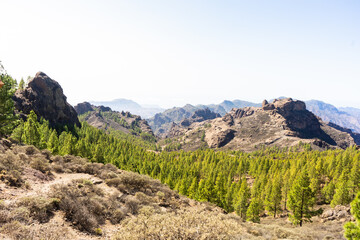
(169, 53)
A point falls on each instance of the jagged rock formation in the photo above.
(161, 123)
(104, 118)
(284, 122)
(45, 96)
(199, 116)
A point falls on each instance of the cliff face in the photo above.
(45, 96)
(282, 123)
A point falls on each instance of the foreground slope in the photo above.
(55, 197)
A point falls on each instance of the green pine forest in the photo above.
(271, 180)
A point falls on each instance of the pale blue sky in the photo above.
(170, 53)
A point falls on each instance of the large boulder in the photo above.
(45, 96)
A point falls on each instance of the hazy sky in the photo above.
(168, 53)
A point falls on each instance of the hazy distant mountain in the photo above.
(162, 122)
(129, 106)
(352, 111)
(345, 117)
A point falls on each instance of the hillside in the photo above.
(344, 117)
(55, 197)
(129, 106)
(162, 122)
(282, 123)
(104, 118)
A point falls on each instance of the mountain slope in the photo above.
(162, 122)
(282, 123)
(129, 106)
(104, 118)
(349, 118)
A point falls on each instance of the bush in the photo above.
(41, 164)
(41, 209)
(83, 203)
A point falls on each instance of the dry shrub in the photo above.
(132, 204)
(150, 224)
(58, 168)
(11, 168)
(83, 203)
(144, 199)
(15, 230)
(117, 216)
(49, 231)
(41, 209)
(31, 150)
(41, 164)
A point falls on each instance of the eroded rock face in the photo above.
(200, 116)
(222, 138)
(284, 122)
(45, 96)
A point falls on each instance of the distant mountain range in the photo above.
(160, 119)
(127, 105)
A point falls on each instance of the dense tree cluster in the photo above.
(268, 181)
(7, 117)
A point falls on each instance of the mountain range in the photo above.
(161, 119)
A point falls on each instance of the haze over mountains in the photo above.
(160, 119)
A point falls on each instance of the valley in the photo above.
(91, 172)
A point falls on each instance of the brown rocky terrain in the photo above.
(282, 123)
(104, 118)
(66, 197)
(45, 96)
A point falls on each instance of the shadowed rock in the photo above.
(45, 96)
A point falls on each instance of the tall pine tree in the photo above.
(301, 199)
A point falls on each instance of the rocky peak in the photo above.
(200, 115)
(45, 96)
(84, 107)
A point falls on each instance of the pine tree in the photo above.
(254, 210)
(301, 199)
(21, 84)
(53, 144)
(18, 132)
(192, 191)
(342, 193)
(31, 130)
(242, 203)
(328, 192)
(8, 120)
(274, 200)
(352, 230)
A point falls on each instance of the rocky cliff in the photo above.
(45, 96)
(284, 122)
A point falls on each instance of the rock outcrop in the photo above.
(200, 116)
(283, 123)
(45, 96)
(84, 107)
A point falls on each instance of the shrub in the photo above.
(41, 209)
(41, 164)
